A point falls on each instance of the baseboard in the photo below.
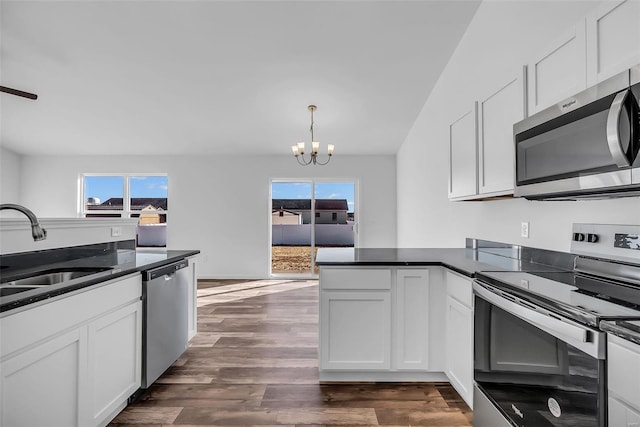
(396, 376)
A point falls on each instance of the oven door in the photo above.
(580, 145)
(533, 368)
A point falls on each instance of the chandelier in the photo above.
(298, 149)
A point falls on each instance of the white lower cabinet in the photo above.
(73, 361)
(115, 352)
(411, 319)
(620, 415)
(192, 297)
(623, 382)
(459, 336)
(42, 386)
(374, 319)
(356, 330)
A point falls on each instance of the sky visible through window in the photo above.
(106, 187)
(324, 190)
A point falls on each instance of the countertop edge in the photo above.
(93, 280)
(621, 331)
(459, 270)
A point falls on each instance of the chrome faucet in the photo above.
(37, 232)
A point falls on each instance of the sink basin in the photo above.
(53, 276)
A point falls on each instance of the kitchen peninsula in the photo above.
(385, 313)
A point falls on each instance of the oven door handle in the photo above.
(572, 333)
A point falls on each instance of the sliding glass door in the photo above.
(307, 215)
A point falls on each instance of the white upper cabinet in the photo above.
(558, 71)
(497, 113)
(613, 39)
(481, 152)
(463, 165)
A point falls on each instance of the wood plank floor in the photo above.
(255, 362)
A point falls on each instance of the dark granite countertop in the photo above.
(627, 329)
(463, 261)
(117, 263)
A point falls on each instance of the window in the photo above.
(129, 196)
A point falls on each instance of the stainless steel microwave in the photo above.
(583, 147)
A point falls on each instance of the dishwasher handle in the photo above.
(164, 270)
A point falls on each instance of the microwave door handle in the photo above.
(613, 130)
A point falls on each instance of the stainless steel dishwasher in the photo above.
(164, 335)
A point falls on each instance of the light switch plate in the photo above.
(524, 230)
(116, 231)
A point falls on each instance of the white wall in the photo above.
(220, 205)
(10, 163)
(500, 39)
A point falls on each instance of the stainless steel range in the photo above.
(540, 357)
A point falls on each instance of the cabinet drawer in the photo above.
(355, 278)
(460, 288)
(623, 364)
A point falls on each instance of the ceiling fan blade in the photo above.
(18, 92)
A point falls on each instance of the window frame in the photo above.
(126, 211)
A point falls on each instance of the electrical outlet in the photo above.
(524, 230)
(116, 231)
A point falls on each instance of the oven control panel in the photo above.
(621, 242)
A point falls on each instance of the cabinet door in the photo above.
(497, 114)
(613, 39)
(411, 320)
(621, 415)
(45, 386)
(463, 164)
(115, 349)
(192, 296)
(355, 330)
(559, 71)
(623, 370)
(460, 348)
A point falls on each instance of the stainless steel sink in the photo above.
(53, 276)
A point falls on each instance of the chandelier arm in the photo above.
(322, 164)
(303, 162)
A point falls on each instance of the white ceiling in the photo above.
(220, 77)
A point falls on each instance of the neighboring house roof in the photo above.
(137, 203)
(305, 204)
(291, 204)
(284, 210)
(331, 205)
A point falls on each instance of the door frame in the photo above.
(313, 182)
